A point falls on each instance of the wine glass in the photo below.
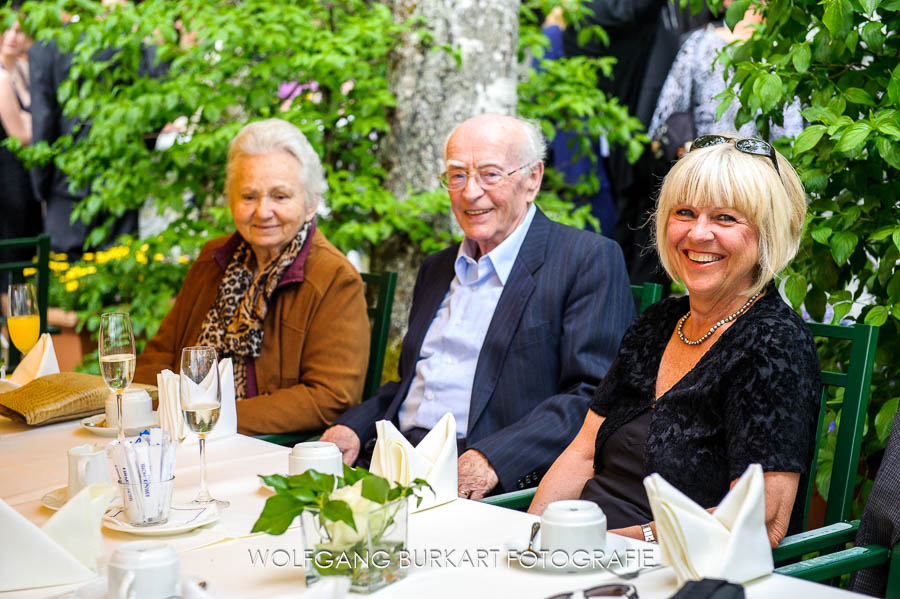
(24, 323)
(201, 400)
(117, 359)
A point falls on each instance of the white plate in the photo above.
(182, 518)
(97, 425)
(54, 500)
(557, 562)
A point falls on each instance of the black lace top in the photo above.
(753, 397)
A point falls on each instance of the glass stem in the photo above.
(203, 496)
(121, 423)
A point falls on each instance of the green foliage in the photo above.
(839, 57)
(336, 53)
(313, 490)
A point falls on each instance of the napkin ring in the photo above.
(648, 534)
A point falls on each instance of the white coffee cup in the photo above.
(137, 409)
(321, 456)
(87, 465)
(573, 525)
(143, 570)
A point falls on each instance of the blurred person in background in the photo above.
(21, 213)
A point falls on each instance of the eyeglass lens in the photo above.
(747, 145)
(612, 590)
(605, 590)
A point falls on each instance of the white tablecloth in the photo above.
(457, 550)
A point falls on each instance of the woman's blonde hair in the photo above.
(723, 176)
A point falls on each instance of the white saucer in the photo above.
(55, 499)
(97, 425)
(546, 562)
(182, 518)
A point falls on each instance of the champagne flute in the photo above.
(117, 358)
(201, 400)
(24, 323)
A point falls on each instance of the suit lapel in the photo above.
(505, 322)
(434, 288)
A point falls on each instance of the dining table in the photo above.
(457, 550)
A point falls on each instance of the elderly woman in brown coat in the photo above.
(275, 296)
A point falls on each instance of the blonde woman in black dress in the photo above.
(707, 384)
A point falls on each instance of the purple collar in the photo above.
(294, 273)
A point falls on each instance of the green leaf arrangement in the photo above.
(313, 490)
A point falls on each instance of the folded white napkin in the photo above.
(40, 361)
(62, 552)
(730, 543)
(76, 527)
(171, 418)
(433, 459)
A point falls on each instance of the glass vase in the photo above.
(372, 556)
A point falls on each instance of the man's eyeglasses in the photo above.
(488, 177)
(747, 145)
(604, 590)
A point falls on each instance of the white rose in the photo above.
(342, 536)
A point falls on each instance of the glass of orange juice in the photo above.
(23, 322)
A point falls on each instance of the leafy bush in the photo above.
(332, 58)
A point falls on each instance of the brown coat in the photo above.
(315, 350)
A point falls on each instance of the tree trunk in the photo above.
(434, 94)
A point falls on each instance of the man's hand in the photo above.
(346, 440)
(476, 477)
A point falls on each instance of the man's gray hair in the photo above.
(277, 135)
(534, 148)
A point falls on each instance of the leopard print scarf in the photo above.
(234, 323)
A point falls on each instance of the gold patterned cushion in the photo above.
(58, 397)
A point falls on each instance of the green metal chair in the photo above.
(41, 245)
(829, 542)
(855, 383)
(380, 289)
(646, 295)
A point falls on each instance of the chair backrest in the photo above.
(855, 383)
(41, 245)
(380, 294)
(646, 295)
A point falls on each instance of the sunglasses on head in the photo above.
(604, 590)
(747, 145)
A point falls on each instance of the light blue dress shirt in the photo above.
(445, 369)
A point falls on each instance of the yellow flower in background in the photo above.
(55, 256)
(28, 272)
(144, 248)
(91, 270)
(71, 286)
(141, 258)
(58, 266)
(183, 259)
(87, 256)
(157, 257)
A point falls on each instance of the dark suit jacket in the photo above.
(554, 333)
(880, 522)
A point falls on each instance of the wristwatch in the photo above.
(648, 533)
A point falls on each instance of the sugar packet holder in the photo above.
(140, 461)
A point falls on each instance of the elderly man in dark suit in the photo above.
(511, 330)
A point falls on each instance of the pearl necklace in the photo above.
(712, 329)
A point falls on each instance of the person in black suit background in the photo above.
(511, 330)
